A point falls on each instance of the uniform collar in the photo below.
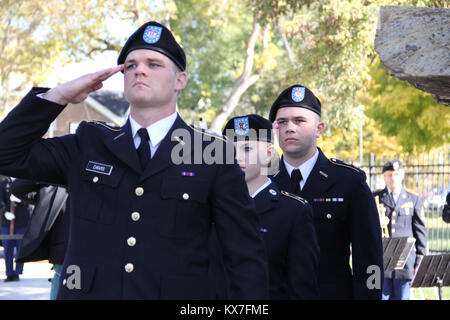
(157, 131)
(304, 168)
(395, 195)
(265, 185)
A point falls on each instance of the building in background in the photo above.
(103, 105)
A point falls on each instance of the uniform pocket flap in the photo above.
(102, 178)
(184, 189)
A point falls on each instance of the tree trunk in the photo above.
(245, 80)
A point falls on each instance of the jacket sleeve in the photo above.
(26, 190)
(237, 229)
(367, 248)
(419, 230)
(23, 152)
(303, 257)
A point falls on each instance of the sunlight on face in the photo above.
(394, 179)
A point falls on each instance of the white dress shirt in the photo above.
(156, 131)
(305, 168)
(393, 194)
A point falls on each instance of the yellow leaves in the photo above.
(208, 115)
(267, 60)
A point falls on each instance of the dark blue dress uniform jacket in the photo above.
(406, 220)
(137, 234)
(291, 244)
(345, 215)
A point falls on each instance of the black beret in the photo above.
(154, 36)
(249, 128)
(295, 96)
(392, 165)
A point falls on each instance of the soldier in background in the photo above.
(345, 213)
(16, 215)
(286, 220)
(404, 210)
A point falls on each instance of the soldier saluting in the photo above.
(140, 223)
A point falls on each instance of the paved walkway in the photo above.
(33, 284)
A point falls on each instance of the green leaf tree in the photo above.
(402, 111)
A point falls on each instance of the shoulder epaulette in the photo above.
(106, 125)
(209, 133)
(293, 196)
(344, 164)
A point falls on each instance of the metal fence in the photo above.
(427, 175)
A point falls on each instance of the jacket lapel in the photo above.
(266, 200)
(282, 178)
(122, 146)
(162, 159)
(387, 200)
(319, 181)
(401, 200)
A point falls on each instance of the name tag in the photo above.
(99, 168)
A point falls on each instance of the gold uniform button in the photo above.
(329, 216)
(139, 191)
(185, 196)
(64, 282)
(135, 216)
(95, 179)
(131, 241)
(129, 267)
(393, 214)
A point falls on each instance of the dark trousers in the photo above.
(9, 246)
(396, 289)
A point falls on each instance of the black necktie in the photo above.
(393, 198)
(144, 148)
(296, 177)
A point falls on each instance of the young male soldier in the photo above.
(404, 212)
(139, 222)
(345, 213)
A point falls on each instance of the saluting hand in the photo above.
(75, 91)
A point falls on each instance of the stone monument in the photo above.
(414, 44)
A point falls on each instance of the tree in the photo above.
(36, 35)
(402, 111)
(241, 54)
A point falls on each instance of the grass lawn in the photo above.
(430, 294)
(438, 234)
